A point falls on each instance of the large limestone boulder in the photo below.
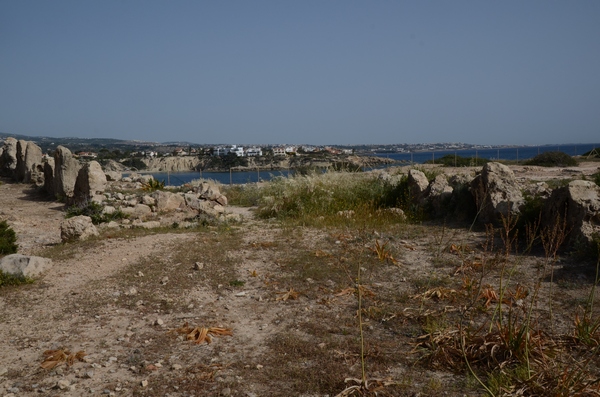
(496, 193)
(417, 186)
(210, 191)
(29, 163)
(66, 169)
(77, 228)
(137, 211)
(114, 176)
(25, 266)
(8, 159)
(91, 181)
(168, 201)
(439, 194)
(578, 206)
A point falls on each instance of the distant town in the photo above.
(94, 147)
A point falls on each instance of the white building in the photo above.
(278, 151)
(253, 151)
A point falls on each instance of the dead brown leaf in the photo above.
(54, 358)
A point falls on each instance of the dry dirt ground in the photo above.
(287, 294)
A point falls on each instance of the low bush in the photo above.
(94, 211)
(552, 159)
(594, 153)
(451, 160)
(8, 239)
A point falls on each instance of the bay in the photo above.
(226, 178)
(517, 153)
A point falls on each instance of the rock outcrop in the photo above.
(8, 158)
(66, 169)
(24, 266)
(29, 163)
(91, 181)
(496, 193)
(417, 186)
(577, 207)
(172, 164)
(77, 228)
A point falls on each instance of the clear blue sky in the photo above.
(315, 72)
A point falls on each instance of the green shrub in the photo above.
(8, 239)
(153, 185)
(552, 159)
(94, 211)
(594, 153)
(450, 160)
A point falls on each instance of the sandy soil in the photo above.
(81, 304)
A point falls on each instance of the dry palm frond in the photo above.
(364, 291)
(383, 253)
(437, 294)
(458, 248)
(202, 334)
(285, 295)
(322, 254)
(489, 294)
(366, 387)
(54, 358)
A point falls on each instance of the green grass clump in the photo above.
(94, 211)
(8, 239)
(243, 195)
(552, 159)
(322, 195)
(9, 279)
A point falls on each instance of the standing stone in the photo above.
(91, 181)
(577, 206)
(29, 162)
(496, 192)
(66, 169)
(8, 159)
(417, 185)
(49, 176)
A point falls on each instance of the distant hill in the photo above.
(84, 144)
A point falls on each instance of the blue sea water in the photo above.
(239, 177)
(512, 153)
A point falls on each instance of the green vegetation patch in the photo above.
(8, 239)
(552, 159)
(94, 211)
(322, 195)
(10, 279)
(451, 160)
